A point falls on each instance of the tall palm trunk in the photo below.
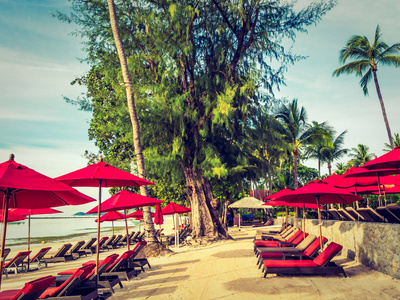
(329, 167)
(295, 175)
(378, 91)
(149, 225)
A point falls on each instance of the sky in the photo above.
(39, 59)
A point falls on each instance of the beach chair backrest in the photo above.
(139, 246)
(326, 256)
(42, 252)
(102, 240)
(103, 266)
(77, 246)
(89, 243)
(72, 282)
(134, 237)
(300, 238)
(306, 242)
(295, 236)
(63, 250)
(312, 250)
(33, 289)
(5, 253)
(117, 239)
(17, 259)
(121, 262)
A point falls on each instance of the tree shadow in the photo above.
(234, 253)
(178, 263)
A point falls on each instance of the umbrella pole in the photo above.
(98, 234)
(319, 223)
(126, 228)
(379, 188)
(304, 219)
(29, 237)
(7, 196)
(286, 221)
(112, 223)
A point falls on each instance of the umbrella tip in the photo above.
(12, 156)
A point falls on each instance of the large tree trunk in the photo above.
(204, 221)
(295, 175)
(378, 91)
(149, 225)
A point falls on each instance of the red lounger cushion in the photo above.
(29, 288)
(271, 254)
(289, 263)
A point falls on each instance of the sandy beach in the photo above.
(227, 269)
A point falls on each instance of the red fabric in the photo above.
(34, 211)
(262, 243)
(109, 176)
(158, 219)
(34, 190)
(328, 253)
(333, 178)
(347, 182)
(173, 208)
(390, 160)
(271, 255)
(23, 253)
(111, 216)
(11, 216)
(138, 215)
(30, 287)
(277, 194)
(322, 192)
(125, 255)
(284, 203)
(125, 200)
(289, 263)
(314, 246)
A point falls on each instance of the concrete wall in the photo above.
(375, 245)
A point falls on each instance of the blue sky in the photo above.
(38, 61)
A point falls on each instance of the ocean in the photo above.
(54, 229)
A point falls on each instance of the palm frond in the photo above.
(364, 81)
(390, 60)
(356, 67)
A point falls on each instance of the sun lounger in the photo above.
(324, 214)
(122, 267)
(267, 223)
(108, 242)
(115, 242)
(309, 252)
(320, 265)
(334, 214)
(354, 214)
(100, 242)
(293, 243)
(76, 251)
(370, 215)
(394, 208)
(17, 263)
(31, 290)
(274, 243)
(287, 233)
(139, 262)
(313, 214)
(38, 258)
(87, 246)
(5, 253)
(61, 255)
(346, 216)
(387, 214)
(70, 288)
(105, 282)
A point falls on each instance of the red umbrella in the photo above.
(111, 216)
(11, 217)
(138, 215)
(175, 209)
(277, 194)
(125, 200)
(333, 178)
(390, 160)
(346, 182)
(23, 187)
(33, 211)
(158, 219)
(101, 175)
(320, 192)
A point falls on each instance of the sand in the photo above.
(227, 269)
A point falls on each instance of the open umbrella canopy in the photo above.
(125, 200)
(347, 182)
(333, 179)
(247, 202)
(138, 215)
(277, 194)
(12, 217)
(173, 208)
(284, 203)
(390, 160)
(26, 188)
(111, 216)
(104, 175)
(320, 192)
(35, 211)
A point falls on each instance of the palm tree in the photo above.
(294, 121)
(342, 167)
(322, 134)
(360, 155)
(396, 143)
(334, 150)
(367, 57)
(149, 227)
